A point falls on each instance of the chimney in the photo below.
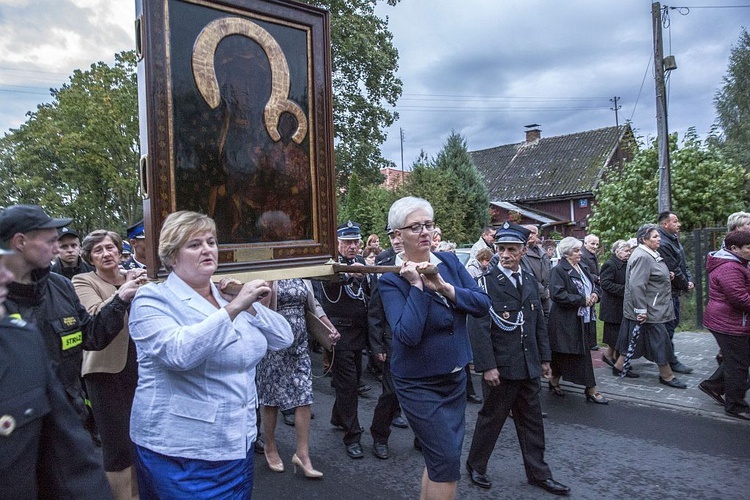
(533, 132)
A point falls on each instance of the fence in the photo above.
(697, 244)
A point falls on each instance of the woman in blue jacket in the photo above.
(426, 306)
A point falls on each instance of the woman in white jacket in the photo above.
(193, 417)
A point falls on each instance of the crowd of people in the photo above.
(175, 380)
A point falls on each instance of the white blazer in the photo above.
(196, 394)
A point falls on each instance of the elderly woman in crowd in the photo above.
(285, 376)
(111, 374)
(612, 284)
(648, 305)
(426, 306)
(193, 420)
(480, 263)
(726, 316)
(571, 317)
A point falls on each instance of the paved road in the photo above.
(635, 447)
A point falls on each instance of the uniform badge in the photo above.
(7, 425)
(506, 315)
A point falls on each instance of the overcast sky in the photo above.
(482, 68)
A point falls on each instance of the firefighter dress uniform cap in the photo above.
(349, 231)
(136, 231)
(512, 233)
(25, 218)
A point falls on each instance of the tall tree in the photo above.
(364, 82)
(454, 187)
(732, 102)
(79, 154)
(706, 187)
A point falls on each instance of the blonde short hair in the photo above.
(177, 230)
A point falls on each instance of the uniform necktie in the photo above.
(519, 287)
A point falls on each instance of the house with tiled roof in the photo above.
(551, 181)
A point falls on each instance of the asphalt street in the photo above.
(625, 449)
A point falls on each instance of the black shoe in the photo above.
(289, 418)
(259, 446)
(680, 368)
(703, 386)
(480, 480)
(417, 444)
(744, 415)
(473, 398)
(628, 374)
(363, 389)
(380, 450)
(399, 422)
(354, 450)
(673, 383)
(551, 486)
(595, 348)
(595, 398)
(610, 362)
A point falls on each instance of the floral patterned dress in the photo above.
(284, 378)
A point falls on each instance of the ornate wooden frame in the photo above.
(235, 108)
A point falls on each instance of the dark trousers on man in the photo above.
(521, 396)
(387, 407)
(672, 325)
(347, 366)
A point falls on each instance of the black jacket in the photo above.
(517, 354)
(673, 254)
(612, 283)
(566, 332)
(81, 267)
(51, 304)
(378, 329)
(44, 451)
(345, 304)
(592, 262)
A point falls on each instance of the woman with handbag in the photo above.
(284, 377)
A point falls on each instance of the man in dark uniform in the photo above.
(49, 301)
(673, 254)
(387, 410)
(43, 448)
(511, 349)
(137, 237)
(345, 303)
(69, 262)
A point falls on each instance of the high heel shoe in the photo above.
(276, 467)
(596, 398)
(556, 389)
(309, 473)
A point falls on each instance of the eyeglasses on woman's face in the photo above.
(417, 227)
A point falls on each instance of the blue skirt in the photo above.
(436, 410)
(161, 477)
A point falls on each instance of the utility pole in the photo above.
(665, 188)
(615, 108)
(401, 132)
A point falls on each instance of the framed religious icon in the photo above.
(235, 122)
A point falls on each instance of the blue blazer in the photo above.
(429, 332)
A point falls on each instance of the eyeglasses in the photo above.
(417, 228)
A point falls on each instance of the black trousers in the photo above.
(387, 407)
(672, 325)
(347, 366)
(736, 351)
(521, 396)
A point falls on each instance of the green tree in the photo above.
(454, 187)
(368, 206)
(78, 155)
(706, 187)
(364, 82)
(732, 103)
